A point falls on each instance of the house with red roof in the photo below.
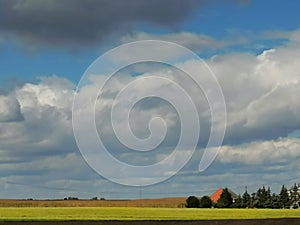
(217, 194)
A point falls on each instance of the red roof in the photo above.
(216, 195)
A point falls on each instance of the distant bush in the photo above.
(192, 202)
(205, 202)
(71, 198)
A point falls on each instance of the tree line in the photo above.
(262, 198)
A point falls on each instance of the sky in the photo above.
(252, 47)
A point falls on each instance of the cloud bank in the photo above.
(261, 93)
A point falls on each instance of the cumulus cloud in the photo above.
(267, 84)
(45, 126)
(261, 96)
(10, 109)
(75, 23)
(282, 150)
(260, 92)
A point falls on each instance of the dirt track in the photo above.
(214, 222)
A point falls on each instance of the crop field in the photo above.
(149, 203)
(135, 213)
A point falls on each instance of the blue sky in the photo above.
(219, 20)
(251, 46)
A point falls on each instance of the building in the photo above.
(217, 194)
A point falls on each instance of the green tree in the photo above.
(246, 200)
(192, 202)
(205, 202)
(253, 200)
(268, 201)
(275, 201)
(257, 199)
(238, 203)
(295, 197)
(225, 200)
(261, 198)
(284, 199)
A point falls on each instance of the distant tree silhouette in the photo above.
(192, 202)
(268, 201)
(205, 202)
(284, 199)
(238, 203)
(275, 201)
(295, 197)
(246, 199)
(225, 200)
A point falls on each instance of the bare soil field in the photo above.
(207, 222)
(153, 203)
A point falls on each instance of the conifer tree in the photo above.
(284, 199)
(225, 200)
(246, 199)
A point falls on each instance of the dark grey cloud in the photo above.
(83, 23)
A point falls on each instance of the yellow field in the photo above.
(134, 213)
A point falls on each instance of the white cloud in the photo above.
(46, 109)
(282, 150)
(291, 36)
(9, 109)
(261, 93)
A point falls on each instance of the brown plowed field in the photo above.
(209, 222)
(152, 203)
